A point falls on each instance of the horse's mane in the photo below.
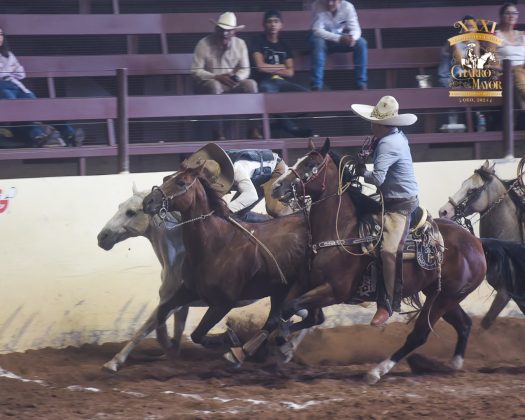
(217, 204)
(362, 202)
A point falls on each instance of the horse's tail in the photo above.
(503, 259)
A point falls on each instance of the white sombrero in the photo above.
(384, 113)
(228, 21)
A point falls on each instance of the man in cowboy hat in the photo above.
(221, 63)
(393, 174)
(250, 172)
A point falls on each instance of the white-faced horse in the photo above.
(130, 221)
(500, 212)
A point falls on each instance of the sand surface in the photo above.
(324, 380)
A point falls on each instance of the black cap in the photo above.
(270, 14)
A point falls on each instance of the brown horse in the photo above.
(227, 262)
(336, 273)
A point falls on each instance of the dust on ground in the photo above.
(324, 380)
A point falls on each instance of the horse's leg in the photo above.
(462, 324)
(318, 297)
(118, 360)
(212, 316)
(432, 310)
(181, 298)
(179, 322)
(498, 304)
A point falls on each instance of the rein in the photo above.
(163, 212)
(341, 189)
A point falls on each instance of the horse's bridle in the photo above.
(460, 208)
(163, 211)
(309, 177)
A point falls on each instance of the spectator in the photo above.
(451, 55)
(11, 87)
(513, 47)
(221, 64)
(336, 29)
(273, 64)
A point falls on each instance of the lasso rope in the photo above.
(236, 223)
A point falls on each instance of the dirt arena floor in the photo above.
(324, 380)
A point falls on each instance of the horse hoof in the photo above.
(457, 363)
(231, 358)
(111, 366)
(372, 378)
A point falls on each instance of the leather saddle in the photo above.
(424, 242)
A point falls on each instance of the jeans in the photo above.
(282, 85)
(10, 90)
(321, 48)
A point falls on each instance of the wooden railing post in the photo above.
(508, 110)
(122, 118)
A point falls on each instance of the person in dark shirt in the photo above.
(272, 62)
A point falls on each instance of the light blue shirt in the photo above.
(393, 169)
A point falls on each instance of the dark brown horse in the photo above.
(226, 263)
(336, 274)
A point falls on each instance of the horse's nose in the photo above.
(102, 239)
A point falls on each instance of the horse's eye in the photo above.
(131, 213)
(180, 183)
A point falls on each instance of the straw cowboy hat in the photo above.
(384, 113)
(216, 165)
(228, 21)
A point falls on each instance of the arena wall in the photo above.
(57, 288)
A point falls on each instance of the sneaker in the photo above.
(52, 140)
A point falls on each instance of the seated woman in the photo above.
(513, 46)
(11, 87)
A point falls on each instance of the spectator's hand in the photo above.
(225, 79)
(347, 40)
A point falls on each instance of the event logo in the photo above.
(5, 197)
(474, 71)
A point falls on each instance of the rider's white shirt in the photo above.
(243, 171)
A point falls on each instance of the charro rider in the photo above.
(253, 173)
(393, 174)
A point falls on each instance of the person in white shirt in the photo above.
(221, 64)
(249, 172)
(254, 172)
(336, 28)
(11, 87)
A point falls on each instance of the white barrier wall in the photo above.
(57, 288)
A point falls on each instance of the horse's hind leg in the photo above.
(462, 324)
(498, 304)
(432, 310)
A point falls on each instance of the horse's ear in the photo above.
(311, 144)
(134, 188)
(486, 165)
(326, 147)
